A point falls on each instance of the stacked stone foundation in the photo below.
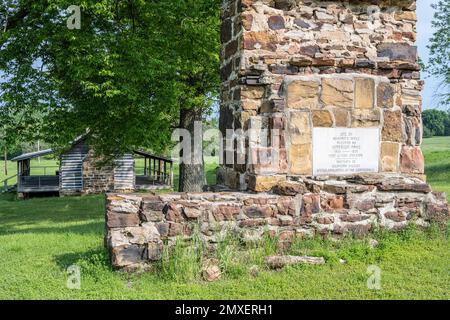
(140, 226)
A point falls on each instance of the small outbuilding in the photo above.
(80, 172)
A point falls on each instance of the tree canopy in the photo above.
(121, 78)
(438, 64)
(436, 123)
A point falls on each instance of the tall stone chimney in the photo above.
(328, 88)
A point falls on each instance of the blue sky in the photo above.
(424, 32)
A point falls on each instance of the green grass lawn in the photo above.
(40, 238)
(437, 163)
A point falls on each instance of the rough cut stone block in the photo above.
(264, 160)
(247, 21)
(226, 212)
(365, 118)
(260, 40)
(283, 4)
(310, 205)
(124, 206)
(337, 92)
(163, 229)
(133, 235)
(276, 22)
(300, 128)
(258, 211)
(341, 117)
(303, 94)
(398, 51)
(353, 217)
(175, 229)
(155, 250)
(287, 206)
(172, 212)
(290, 188)
(385, 95)
(300, 161)
(406, 15)
(152, 203)
(392, 126)
(260, 183)
(404, 184)
(364, 93)
(121, 220)
(302, 23)
(338, 187)
(252, 92)
(192, 212)
(251, 223)
(152, 216)
(390, 155)
(325, 220)
(333, 203)
(124, 256)
(226, 31)
(411, 160)
(322, 118)
(397, 216)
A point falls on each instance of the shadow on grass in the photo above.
(438, 172)
(90, 262)
(50, 215)
(82, 229)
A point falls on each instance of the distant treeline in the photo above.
(436, 123)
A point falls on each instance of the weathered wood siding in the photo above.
(71, 169)
(124, 177)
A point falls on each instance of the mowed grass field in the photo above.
(437, 163)
(40, 238)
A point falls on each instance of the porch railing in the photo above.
(38, 182)
(42, 171)
(6, 185)
(157, 170)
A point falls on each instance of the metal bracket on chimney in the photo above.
(251, 80)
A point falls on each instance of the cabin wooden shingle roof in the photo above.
(31, 155)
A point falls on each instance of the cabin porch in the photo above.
(152, 172)
(36, 179)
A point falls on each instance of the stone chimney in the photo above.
(327, 88)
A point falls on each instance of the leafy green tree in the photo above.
(438, 64)
(447, 124)
(427, 132)
(190, 29)
(133, 71)
(436, 121)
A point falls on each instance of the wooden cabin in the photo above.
(80, 172)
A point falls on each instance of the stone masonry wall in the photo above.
(138, 226)
(97, 179)
(292, 66)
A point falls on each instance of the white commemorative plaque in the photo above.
(342, 151)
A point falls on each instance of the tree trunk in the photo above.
(192, 174)
(6, 161)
